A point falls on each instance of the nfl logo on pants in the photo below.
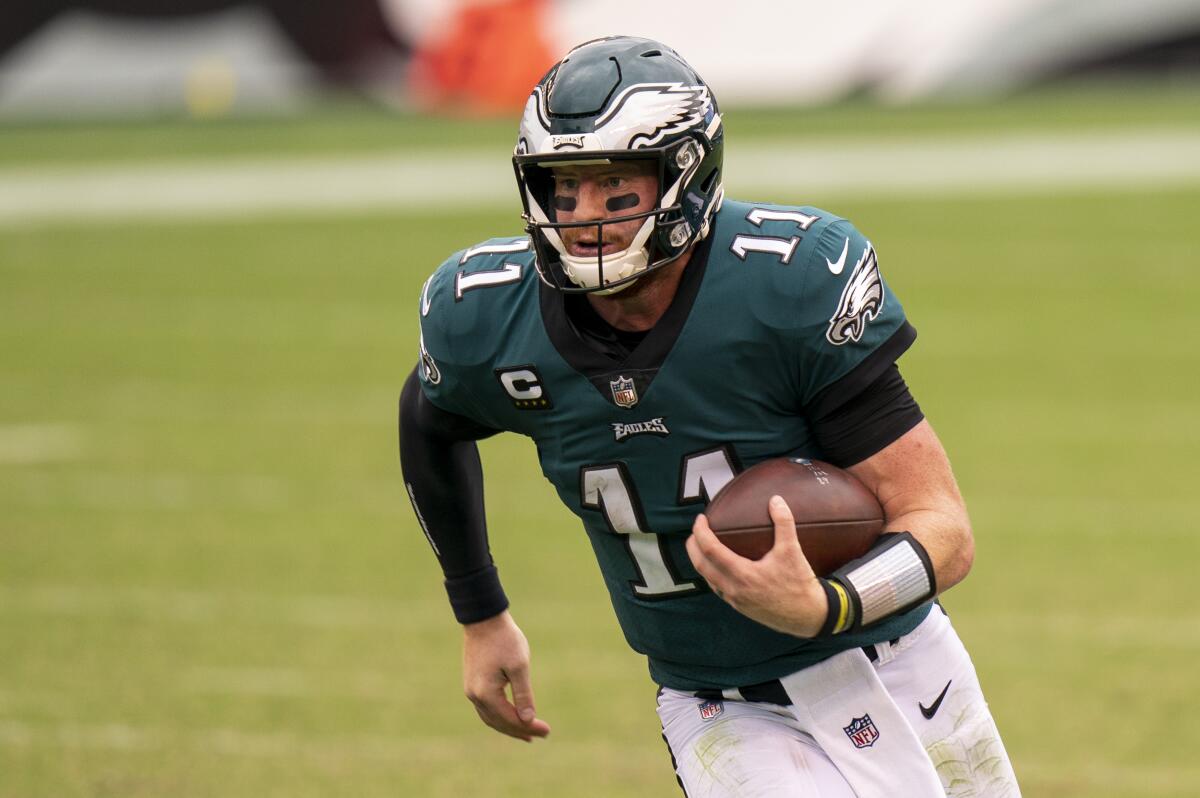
(862, 732)
(711, 709)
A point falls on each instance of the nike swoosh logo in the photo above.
(837, 266)
(931, 710)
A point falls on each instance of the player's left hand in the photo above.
(780, 590)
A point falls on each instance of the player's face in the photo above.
(603, 191)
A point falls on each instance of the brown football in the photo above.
(837, 518)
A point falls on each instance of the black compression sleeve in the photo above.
(862, 425)
(444, 481)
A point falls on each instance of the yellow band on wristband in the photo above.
(843, 619)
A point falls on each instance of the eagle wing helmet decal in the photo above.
(644, 114)
(862, 300)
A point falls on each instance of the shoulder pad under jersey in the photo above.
(813, 277)
(466, 308)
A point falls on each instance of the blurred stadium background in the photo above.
(215, 218)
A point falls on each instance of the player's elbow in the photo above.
(408, 404)
(959, 551)
(965, 551)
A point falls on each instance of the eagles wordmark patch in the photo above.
(862, 300)
(572, 142)
(655, 426)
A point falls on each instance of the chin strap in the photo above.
(894, 576)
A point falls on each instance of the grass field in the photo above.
(211, 583)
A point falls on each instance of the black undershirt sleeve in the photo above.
(444, 481)
(868, 422)
(868, 408)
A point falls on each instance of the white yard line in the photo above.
(810, 168)
(29, 444)
(1010, 164)
(237, 187)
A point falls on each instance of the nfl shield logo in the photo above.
(862, 732)
(710, 709)
(624, 392)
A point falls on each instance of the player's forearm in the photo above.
(945, 533)
(444, 480)
(913, 480)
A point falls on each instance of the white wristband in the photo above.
(894, 576)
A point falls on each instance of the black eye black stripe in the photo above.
(622, 203)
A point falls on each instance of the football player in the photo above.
(654, 338)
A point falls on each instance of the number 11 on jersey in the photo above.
(609, 489)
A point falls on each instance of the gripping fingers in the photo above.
(715, 563)
(785, 522)
(787, 549)
(708, 554)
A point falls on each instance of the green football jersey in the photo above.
(775, 305)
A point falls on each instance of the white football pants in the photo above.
(913, 724)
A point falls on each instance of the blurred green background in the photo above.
(211, 583)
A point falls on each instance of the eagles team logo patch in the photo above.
(624, 392)
(862, 300)
(862, 732)
(711, 709)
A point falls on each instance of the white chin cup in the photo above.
(583, 271)
(618, 266)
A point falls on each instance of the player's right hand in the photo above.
(779, 590)
(496, 660)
